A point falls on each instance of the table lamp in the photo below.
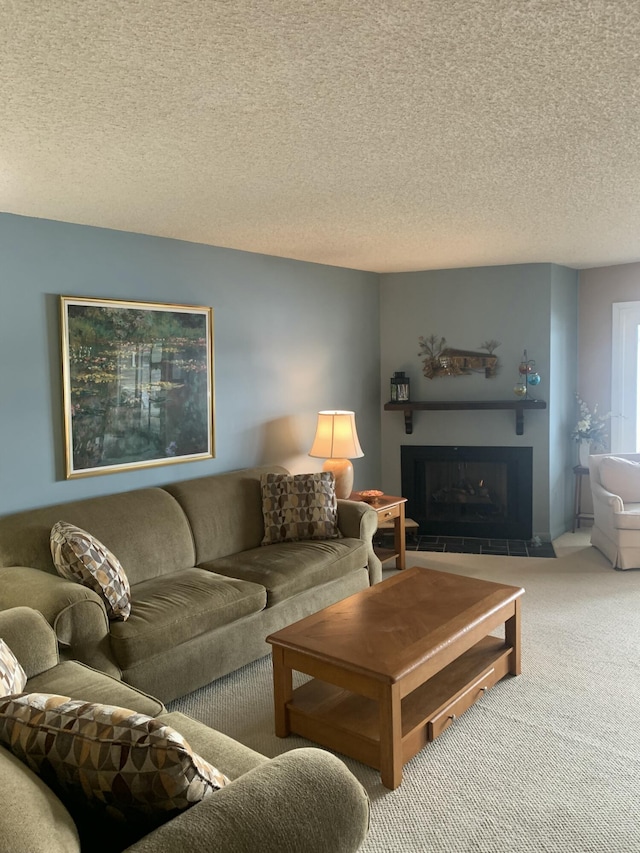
(336, 441)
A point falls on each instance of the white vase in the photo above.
(584, 451)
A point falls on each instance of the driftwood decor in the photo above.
(442, 360)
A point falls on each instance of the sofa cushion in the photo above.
(146, 528)
(12, 676)
(131, 766)
(172, 609)
(621, 477)
(299, 506)
(79, 556)
(628, 519)
(84, 682)
(224, 511)
(293, 567)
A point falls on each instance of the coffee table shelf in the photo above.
(330, 715)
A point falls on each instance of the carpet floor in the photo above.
(545, 762)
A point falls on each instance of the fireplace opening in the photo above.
(480, 492)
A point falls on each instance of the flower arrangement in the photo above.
(591, 425)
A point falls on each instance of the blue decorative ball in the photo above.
(533, 379)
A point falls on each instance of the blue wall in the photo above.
(290, 338)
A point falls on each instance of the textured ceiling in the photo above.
(385, 136)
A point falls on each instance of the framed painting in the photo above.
(137, 384)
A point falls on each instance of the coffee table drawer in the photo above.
(465, 699)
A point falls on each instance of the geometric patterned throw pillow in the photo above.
(299, 506)
(79, 556)
(126, 765)
(12, 676)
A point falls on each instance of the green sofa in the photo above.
(304, 800)
(204, 592)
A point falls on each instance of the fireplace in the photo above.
(480, 492)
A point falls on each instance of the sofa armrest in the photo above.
(32, 818)
(357, 520)
(30, 638)
(43, 591)
(605, 504)
(305, 800)
(76, 613)
(606, 499)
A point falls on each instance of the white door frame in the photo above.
(624, 376)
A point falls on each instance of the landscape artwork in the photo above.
(137, 384)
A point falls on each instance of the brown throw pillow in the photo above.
(79, 556)
(299, 506)
(12, 676)
(128, 765)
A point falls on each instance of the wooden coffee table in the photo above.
(394, 665)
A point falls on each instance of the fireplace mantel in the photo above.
(518, 406)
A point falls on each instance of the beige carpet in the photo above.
(548, 761)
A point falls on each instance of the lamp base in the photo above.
(343, 471)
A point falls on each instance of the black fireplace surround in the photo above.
(479, 492)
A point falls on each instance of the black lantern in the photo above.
(400, 387)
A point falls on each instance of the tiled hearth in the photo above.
(468, 545)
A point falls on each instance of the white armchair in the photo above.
(615, 487)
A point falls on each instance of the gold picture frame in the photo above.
(138, 384)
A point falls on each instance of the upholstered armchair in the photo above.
(615, 487)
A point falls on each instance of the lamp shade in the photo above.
(336, 436)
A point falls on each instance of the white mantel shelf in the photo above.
(518, 406)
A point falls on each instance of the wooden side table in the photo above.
(390, 508)
(580, 471)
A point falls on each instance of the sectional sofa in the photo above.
(303, 800)
(205, 591)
